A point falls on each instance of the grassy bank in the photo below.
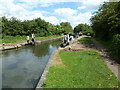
(85, 69)
(11, 39)
(86, 40)
(109, 45)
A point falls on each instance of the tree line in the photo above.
(14, 27)
(84, 29)
(106, 25)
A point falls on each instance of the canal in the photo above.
(23, 67)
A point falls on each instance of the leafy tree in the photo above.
(106, 21)
(106, 25)
(39, 27)
(67, 27)
(83, 28)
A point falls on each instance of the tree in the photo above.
(39, 27)
(106, 21)
(67, 27)
(106, 25)
(83, 28)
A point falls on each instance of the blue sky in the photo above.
(53, 11)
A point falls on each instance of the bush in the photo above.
(115, 47)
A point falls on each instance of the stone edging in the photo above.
(18, 45)
(43, 77)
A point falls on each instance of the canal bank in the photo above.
(43, 77)
(81, 63)
(10, 46)
(23, 67)
(54, 60)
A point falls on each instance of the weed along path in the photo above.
(82, 66)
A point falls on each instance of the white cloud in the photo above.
(45, 12)
(81, 8)
(63, 20)
(81, 18)
(23, 10)
(92, 5)
(51, 19)
(46, 4)
(73, 16)
(10, 9)
(65, 12)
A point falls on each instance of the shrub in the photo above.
(115, 47)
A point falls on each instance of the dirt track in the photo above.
(115, 67)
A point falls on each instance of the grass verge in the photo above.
(11, 39)
(86, 40)
(85, 69)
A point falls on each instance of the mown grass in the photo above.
(86, 40)
(12, 39)
(85, 69)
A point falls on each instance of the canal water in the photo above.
(22, 68)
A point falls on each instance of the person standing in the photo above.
(71, 38)
(65, 38)
(28, 39)
(68, 38)
(33, 39)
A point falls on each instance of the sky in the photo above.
(53, 11)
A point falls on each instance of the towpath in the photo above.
(78, 46)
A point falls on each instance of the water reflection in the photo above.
(22, 68)
(43, 48)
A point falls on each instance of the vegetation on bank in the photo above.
(14, 30)
(85, 69)
(84, 29)
(106, 25)
(86, 40)
(112, 48)
(18, 38)
(39, 27)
